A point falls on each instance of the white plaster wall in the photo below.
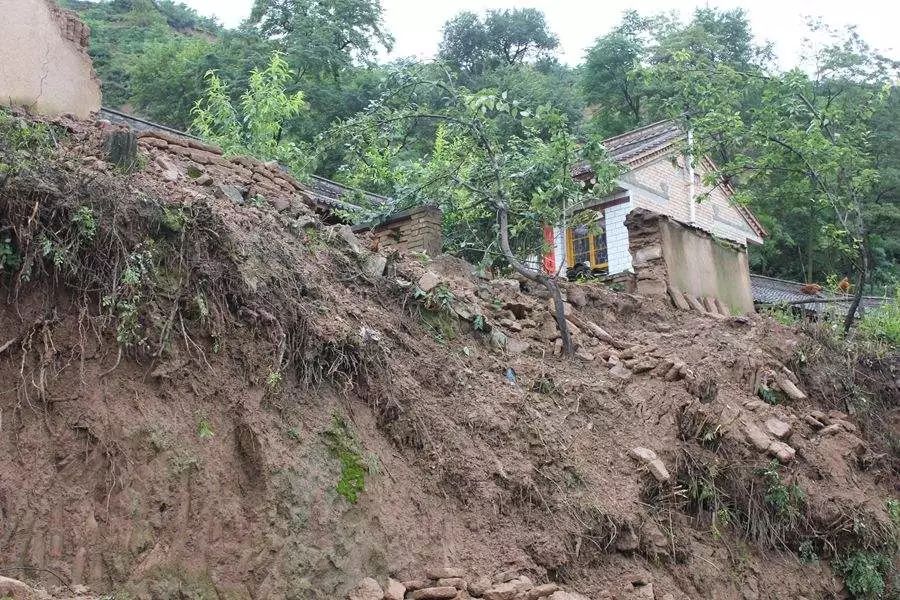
(617, 238)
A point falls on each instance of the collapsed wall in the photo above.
(46, 67)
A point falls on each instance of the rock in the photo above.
(394, 590)
(678, 299)
(656, 467)
(676, 372)
(818, 415)
(585, 355)
(757, 437)
(787, 386)
(652, 287)
(346, 233)
(755, 404)
(813, 422)
(457, 582)
(778, 428)
(229, 192)
(478, 587)
(498, 340)
(644, 365)
(782, 451)
(576, 297)
(619, 371)
(695, 304)
(280, 203)
(831, 429)
(598, 332)
(428, 282)
(373, 265)
(206, 179)
(434, 593)
(416, 584)
(504, 576)
(444, 573)
(541, 591)
(514, 346)
(502, 591)
(367, 589)
(845, 425)
(15, 589)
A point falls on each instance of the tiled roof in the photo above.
(631, 146)
(772, 291)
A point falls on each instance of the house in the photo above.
(662, 223)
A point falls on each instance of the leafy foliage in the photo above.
(883, 323)
(864, 574)
(255, 127)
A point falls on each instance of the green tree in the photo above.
(496, 189)
(322, 37)
(503, 37)
(256, 126)
(808, 143)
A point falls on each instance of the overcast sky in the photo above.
(416, 24)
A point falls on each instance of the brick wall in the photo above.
(414, 230)
(662, 187)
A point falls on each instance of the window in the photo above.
(586, 245)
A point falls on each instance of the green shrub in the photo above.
(864, 574)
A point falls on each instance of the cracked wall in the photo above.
(44, 64)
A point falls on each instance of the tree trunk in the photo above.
(121, 149)
(857, 297)
(548, 282)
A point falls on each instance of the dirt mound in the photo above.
(207, 396)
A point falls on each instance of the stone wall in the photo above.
(44, 64)
(694, 269)
(414, 230)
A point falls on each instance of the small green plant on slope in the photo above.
(893, 508)
(786, 499)
(9, 256)
(204, 429)
(344, 446)
(126, 301)
(864, 574)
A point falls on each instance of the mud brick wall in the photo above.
(645, 244)
(49, 71)
(414, 230)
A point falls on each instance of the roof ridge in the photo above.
(638, 129)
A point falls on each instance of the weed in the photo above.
(781, 314)
(807, 552)
(480, 323)
(893, 508)
(10, 260)
(273, 381)
(257, 201)
(769, 395)
(882, 324)
(293, 433)
(346, 448)
(126, 301)
(173, 218)
(864, 574)
(85, 222)
(786, 500)
(204, 429)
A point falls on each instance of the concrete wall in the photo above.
(667, 254)
(415, 230)
(45, 65)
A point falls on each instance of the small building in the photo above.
(663, 223)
